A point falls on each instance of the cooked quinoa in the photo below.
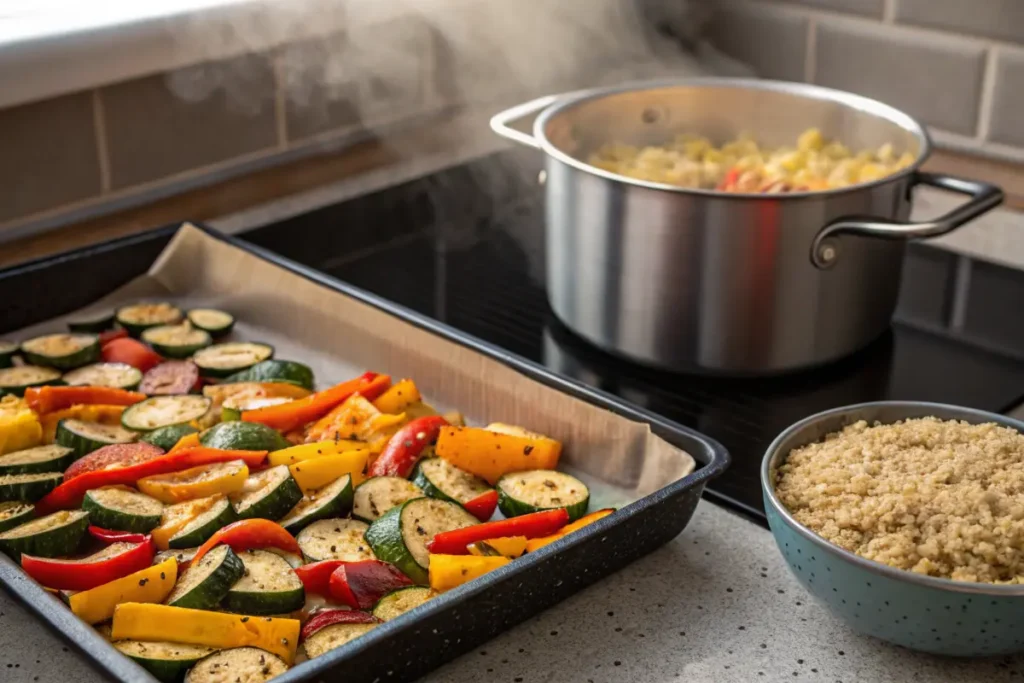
(943, 498)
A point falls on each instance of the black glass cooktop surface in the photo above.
(465, 246)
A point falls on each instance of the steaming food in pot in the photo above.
(741, 165)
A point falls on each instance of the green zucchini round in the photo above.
(442, 480)
(204, 585)
(17, 379)
(15, 513)
(332, 500)
(249, 664)
(398, 602)
(114, 375)
(269, 494)
(55, 535)
(335, 539)
(123, 509)
(377, 495)
(268, 585)
(8, 350)
(93, 324)
(334, 636)
(276, 371)
(139, 317)
(85, 437)
(167, 437)
(53, 458)
(223, 360)
(182, 555)
(167, 662)
(522, 493)
(62, 351)
(162, 411)
(28, 487)
(218, 323)
(401, 535)
(243, 436)
(199, 530)
(176, 341)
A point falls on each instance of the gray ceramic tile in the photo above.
(772, 43)
(937, 80)
(394, 71)
(870, 8)
(1002, 19)
(48, 155)
(169, 123)
(1007, 123)
(320, 87)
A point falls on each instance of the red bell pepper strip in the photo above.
(108, 536)
(329, 617)
(288, 416)
(482, 507)
(132, 352)
(78, 575)
(70, 493)
(111, 335)
(404, 449)
(249, 534)
(45, 400)
(316, 576)
(361, 584)
(114, 455)
(533, 525)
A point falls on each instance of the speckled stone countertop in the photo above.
(715, 605)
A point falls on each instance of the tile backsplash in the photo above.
(957, 65)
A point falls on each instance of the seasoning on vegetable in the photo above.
(451, 571)
(249, 534)
(361, 584)
(405, 448)
(490, 454)
(152, 584)
(288, 416)
(533, 525)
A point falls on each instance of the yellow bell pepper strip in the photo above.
(101, 414)
(398, 398)
(152, 584)
(509, 546)
(451, 571)
(535, 544)
(186, 442)
(490, 454)
(176, 517)
(19, 425)
(196, 482)
(319, 472)
(309, 451)
(136, 621)
(355, 419)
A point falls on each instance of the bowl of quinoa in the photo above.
(907, 520)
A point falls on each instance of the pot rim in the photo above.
(807, 90)
(954, 412)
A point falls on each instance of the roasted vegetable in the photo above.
(249, 534)
(50, 399)
(535, 544)
(19, 426)
(113, 562)
(152, 584)
(451, 571)
(491, 454)
(360, 585)
(303, 411)
(355, 419)
(536, 525)
(318, 472)
(405, 448)
(398, 398)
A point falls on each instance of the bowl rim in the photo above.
(973, 415)
(852, 101)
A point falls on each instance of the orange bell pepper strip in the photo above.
(288, 416)
(398, 398)
(249, 534)
(356, 419)
(45, 400)
(490, 454)
(70, 493)
(535, 544)
(186, 442)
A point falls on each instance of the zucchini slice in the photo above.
(7, 351)
(84, 437)
(199, 530)
(440, 479)
(182, 555)
(276, 371)
(176, 341)
(335, 539)
(248, 664)
(14, 513)
(161, 411)
(30, 487)
(56, 535)
(521, 493)
(93, 323)
(243, 436)
(115, 375)
(269, 494)
(222, 360)
(333, 636)
(62, 351)
(217, 323)
(401, 535)
(53, 458)
(139, 317)
(205, 585)
(167, 437)
(377, 495)
(333, 500)
(123, 509)
(398, 602)
(233, 407)
(167, 662)
(19, 378)
(268, 585)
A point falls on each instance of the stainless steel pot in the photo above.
(740, 284)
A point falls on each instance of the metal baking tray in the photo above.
(447, 626)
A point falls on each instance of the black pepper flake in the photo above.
(334, 548)
(617, 663)
(143, 582)
(527, 450)
(284, 641)
(245, 619)
(163, 575)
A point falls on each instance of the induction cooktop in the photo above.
(465, 246)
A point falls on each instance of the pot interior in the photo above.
(774, 113)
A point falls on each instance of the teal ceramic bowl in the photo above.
(918, 612)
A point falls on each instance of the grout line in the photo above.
(889, 12)
(280, 97)
(102, 147)
(811, 56)
(987, 95)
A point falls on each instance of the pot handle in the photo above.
(984, 198)
(501, 123)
